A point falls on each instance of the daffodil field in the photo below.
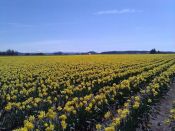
(90, 92)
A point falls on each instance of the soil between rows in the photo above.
(160, 112)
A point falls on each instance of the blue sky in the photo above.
(86, 25)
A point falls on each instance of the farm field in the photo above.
(88, 92)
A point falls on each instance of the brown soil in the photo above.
(160, 112)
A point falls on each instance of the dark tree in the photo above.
(158, 52)
(153, 51)
(9, 52)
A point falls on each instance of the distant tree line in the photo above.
(30, 54)
(9, 53)
(154, 51)
(16, 53)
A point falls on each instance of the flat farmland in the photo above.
(83, 92)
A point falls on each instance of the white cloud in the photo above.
(123, 11)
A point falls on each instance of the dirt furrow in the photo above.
(160, 112)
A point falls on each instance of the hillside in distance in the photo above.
(17, 53)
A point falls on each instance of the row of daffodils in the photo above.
(94, 92)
